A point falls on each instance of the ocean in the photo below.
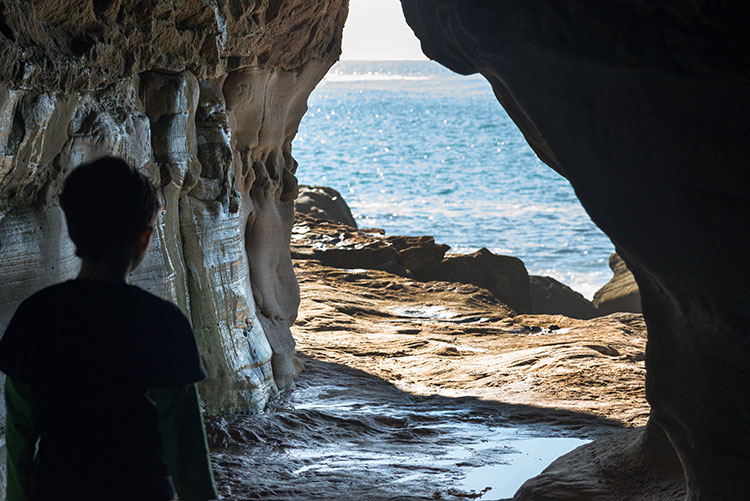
(416, 149)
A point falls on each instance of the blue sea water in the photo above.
(416, 149)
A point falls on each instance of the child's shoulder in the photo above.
(91, 292)
(157, 305)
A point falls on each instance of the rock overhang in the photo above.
(643, 107)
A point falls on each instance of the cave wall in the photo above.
(204, 97)
(643, 107)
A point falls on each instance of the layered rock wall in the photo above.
(643, 106)
(204, 97)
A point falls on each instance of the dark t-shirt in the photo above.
(90, 350)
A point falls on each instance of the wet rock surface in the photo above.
(429, 390)
(638, 463)
(643, 107)
(342, 433)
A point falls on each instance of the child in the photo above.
(100, 388)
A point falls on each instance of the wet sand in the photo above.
(429, 390)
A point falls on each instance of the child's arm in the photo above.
(184, 442)
(21, 435)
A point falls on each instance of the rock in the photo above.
(643, 107)
(459, 340)
(504, 276)
(205, 98)
(621, 292)
(419, 254)
(324, 203)
(341, 246)
(552, 297)
(74, 46)
(645, 463)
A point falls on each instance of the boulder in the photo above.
(505, 276)
(341, 246)
(418, 254)
(324, 203)
(621, 292)
(549, 296)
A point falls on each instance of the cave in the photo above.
(640, 106)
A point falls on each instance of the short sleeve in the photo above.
(176, 359)
(15, 356)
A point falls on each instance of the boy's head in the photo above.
(108, 205)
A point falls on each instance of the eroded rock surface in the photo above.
(205, 97)
(419, 257)
(643, 107)
(638, 463)
(409, 387)
(621, 292)
(456, 338)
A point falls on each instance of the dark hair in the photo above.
(107, 203)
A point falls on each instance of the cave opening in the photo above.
(421, 362)
(415, 149)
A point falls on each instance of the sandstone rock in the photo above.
(420, 257)
(433, 366)
(621, 292)
(504, 276)
(459, 340)
(324, 203)
(550, 296)
(643, 107)
(420, 254)
(639, 463)
(74, 45)
(343, 246)
(205, 98)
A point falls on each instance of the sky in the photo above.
(376, 30)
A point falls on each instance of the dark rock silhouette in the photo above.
(552, 297)
(643, 107)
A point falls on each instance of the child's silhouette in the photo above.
(100, 394)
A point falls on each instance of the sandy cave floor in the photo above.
(429, 390)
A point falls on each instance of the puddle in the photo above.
(526, 458)
(344, 434)
(427, 312)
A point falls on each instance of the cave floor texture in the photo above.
(430, 390)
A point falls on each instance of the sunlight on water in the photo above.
(416, 149)
(419, 442)
(429, 312)
(527, 458)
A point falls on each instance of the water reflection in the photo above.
(342, 433)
